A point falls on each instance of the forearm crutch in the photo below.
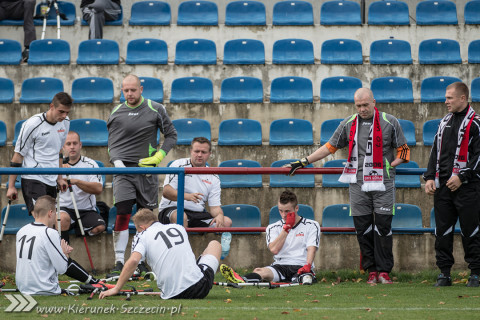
(4, 224)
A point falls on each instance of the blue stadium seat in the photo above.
(340, 13)
(433, 89)
(339, 89)
(150, 13)
(407, 216)
(242, 90)
(244, 51)
(240, 180)
(475, 90)
(392, 90)
(102, 165)
(439, 51)
(152, 89)
(147, 51)
(192, 90)
(408, 129)
(293, 51)
(472, 12)
(388, 13)
(432, 12)
(98, 51)
(17, 218)
(341, 51)
(434, 225)
(64, 7)
(292, 13)
(240, 132)
(296, 181)
(390, 51)
(474, 52)
(291, 132)
(49, 51)
(7, 90)
(337, 216)
(245, 13)
(407, 181)
(92, 90)
(429, 131)
(195, 51)
(10, 51)
(3, 134)
(327, 129)
(117, 22)
(40, 90)
(291, 90)
(93, 132)
(331, 180)
(197, 13)
(303, 210)
(243, 215)
(18, 127)
(190, 128)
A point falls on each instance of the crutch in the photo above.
(59, 220)
(59, 15)
(4, 224)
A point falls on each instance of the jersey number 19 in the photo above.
(172, 233)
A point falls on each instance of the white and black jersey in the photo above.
(168, 252)
(40, 260)
(306, 233)
(40, 142)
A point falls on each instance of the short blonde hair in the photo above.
(43, 205)
(144, 217)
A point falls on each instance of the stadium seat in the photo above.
(240, 180)
(291, 132)
(296, 181)
(93, 132)
(472, 12)
(474, 52)
(439, 51)
(192, 90)
(407, 181)
(17, 218)
(49, 51)
(339, 89)
(147, 51)
(291, 90)
(92, 90)
(303, 210)
(240, 132)
(408, 129)
(102, 165)
(429, 131)
(152, 89)
(245, 13)
(3, 134)
(337, 216)
(150, 13)
(327, 129)
(197, 13)
(244, 51)
(7, 90)
(475, 90)
(433, 89)
(407, 216)
(242, 90)
(434, 225)
(390, 51)
(341, 51)
(98, 51)
(18, 127)
(292, 13)
(388, 13)
(292, 51)
(243, 215)
(392, 90)
(67, 8)
(432, 12)
(40, 90)
(195, 51)
(117, 22)
(331, 180)
(10, 52)
(190, 128)
(340, 13)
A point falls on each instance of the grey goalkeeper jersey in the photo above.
(132, 132)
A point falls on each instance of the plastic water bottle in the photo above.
(226, 239)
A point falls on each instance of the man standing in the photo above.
(132, 142)
(453, 176)
(372, 138)
(38, 146)
(96, 12)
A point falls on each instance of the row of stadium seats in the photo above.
(240, 51)
(237, 90)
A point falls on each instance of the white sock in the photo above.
(120, 240)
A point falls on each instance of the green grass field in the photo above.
(338, 295)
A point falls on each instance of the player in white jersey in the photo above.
(38, 146)
(168, 251)
(41, 256)
(293, 240)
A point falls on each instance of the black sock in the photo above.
(252, 277)
(446, 272)
(66, 236)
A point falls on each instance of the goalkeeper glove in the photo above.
(305, 269)
(152, 161)
(289, 221)
(302, 163)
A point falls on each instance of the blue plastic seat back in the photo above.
(439, 51)
(432, 12)
(245, 13)
(407, 216)
(190, 128)
(475, 90)
(92, 90)
(3, 134)
(433, 89)
(341, 51)
(303, 210)
(472, 12)
(67, 8)
(98, 51)
(331, 180)
(408, 129)
(7, 90)
(49, 51)
(298, 180)
(390, 51)
(150, 13)
(291, 132)
(152, 89)
(242, 90)
(17, 218)
(243, 215)
(407, 181)
(339, 89)
(474, 51)
(289, 13)
(291, 90)
(244, 51)
(197, 13)
(337, 216)
(429, 131)
(117, 22)
(244, 132)
(240, 180)
(196, 51)
(192, 90)
(327, 129)
(340, 13)
(18, 127)
(104, 177)
(392, 90)
(147, 51)
(40, 90)
(93, 132)
(434, 225)
(10, 52)
(293, 51)
(388, 13)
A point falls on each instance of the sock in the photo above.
(75, 271)
(252, 277)
(475, 272)
(120, 240)
(66, 236)
(446, 272)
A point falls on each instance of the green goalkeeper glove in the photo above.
(152, 161)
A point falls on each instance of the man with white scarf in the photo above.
(376, 146)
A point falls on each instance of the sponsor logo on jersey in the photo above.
(206, 181)
(301, 234)
(133, 113)
(385, 209)
(61, 130)
(45, 133)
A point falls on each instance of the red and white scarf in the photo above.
(373, 161)
(461, 154)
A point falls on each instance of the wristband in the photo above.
(15, 165)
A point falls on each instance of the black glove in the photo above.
(302, 163)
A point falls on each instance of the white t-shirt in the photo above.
(168, 252)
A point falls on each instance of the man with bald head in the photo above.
(376, 145)
(132, 142)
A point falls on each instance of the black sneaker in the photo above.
(25, 55)
(443, 281)
(141, 270)
(473, 281)
(116, 270)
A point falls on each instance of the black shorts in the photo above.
(90, 219)
(34, 189)
(285, 272)
(200, 289)
(195, 219)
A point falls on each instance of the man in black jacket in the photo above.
(96, 12)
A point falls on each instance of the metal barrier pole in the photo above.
(180, 197)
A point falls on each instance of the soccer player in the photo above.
(293, 240)
(168, 251)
